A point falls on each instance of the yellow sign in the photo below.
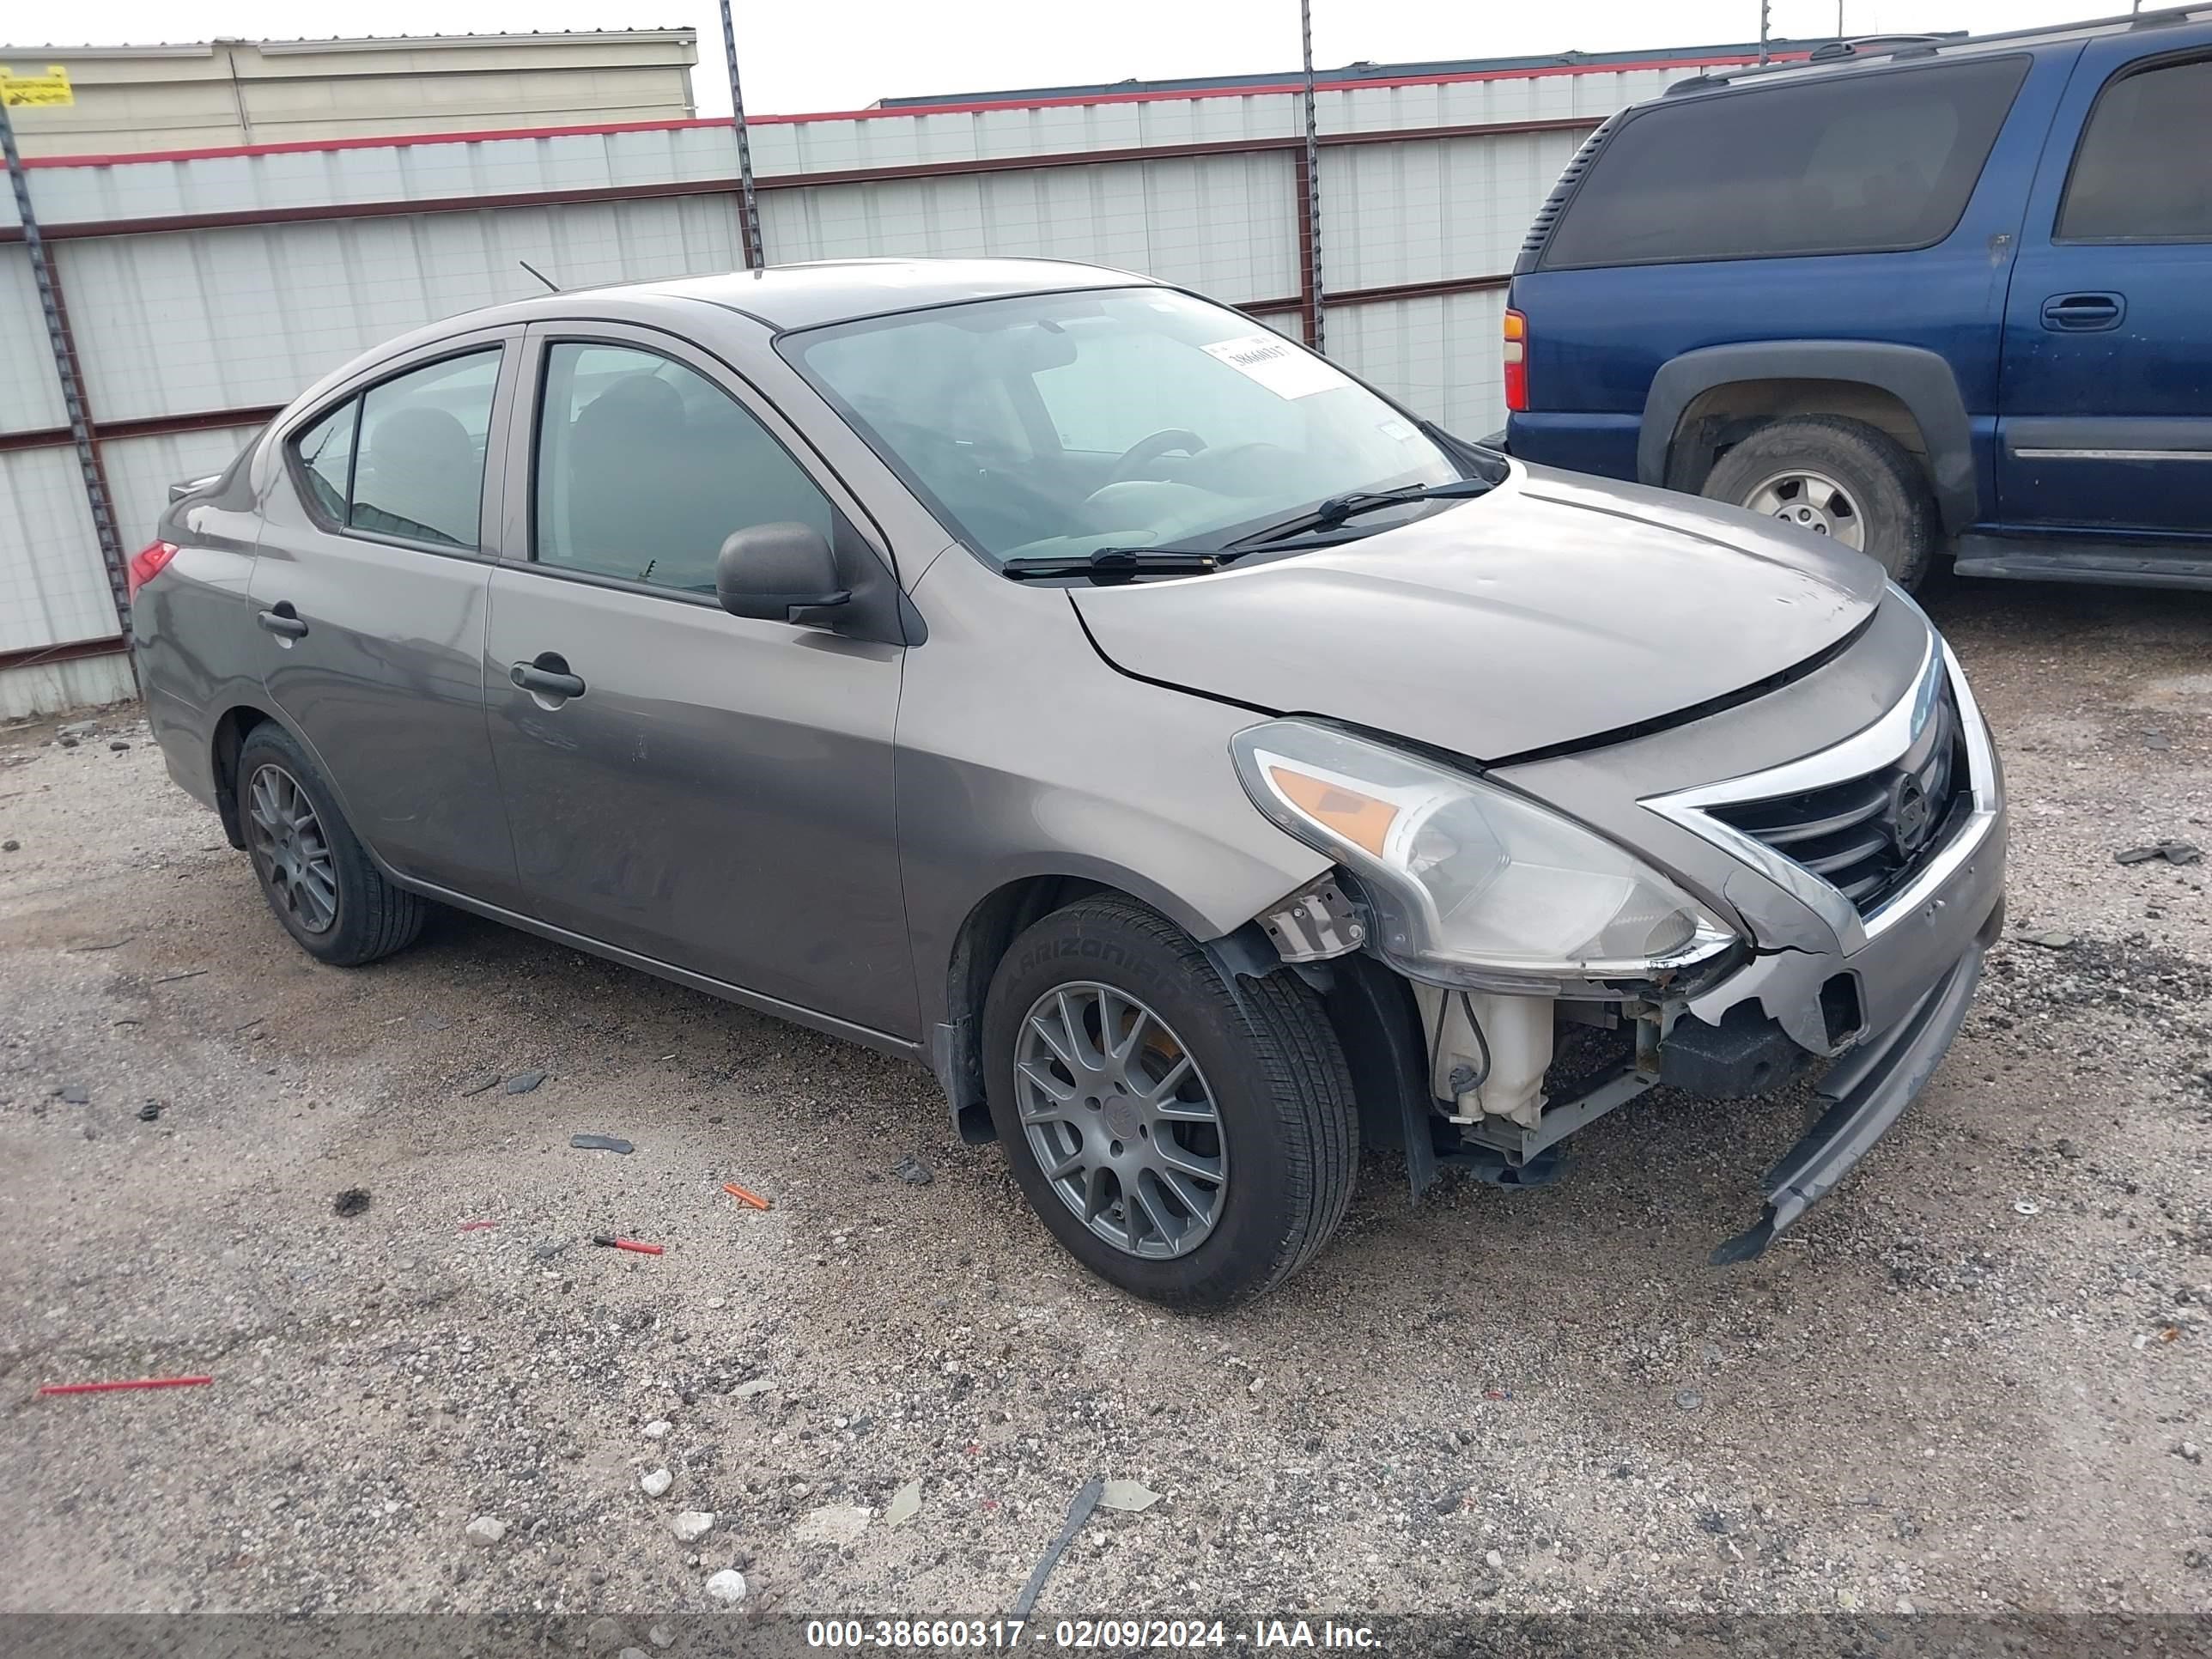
(48, 91)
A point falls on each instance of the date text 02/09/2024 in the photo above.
(1109, 1634)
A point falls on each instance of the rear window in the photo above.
(1859, 164)
(2145, 169)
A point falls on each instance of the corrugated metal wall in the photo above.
(204, 289)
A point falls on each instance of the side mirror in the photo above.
(772, 572)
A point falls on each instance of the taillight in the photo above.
(1516, 362)
(150, 563)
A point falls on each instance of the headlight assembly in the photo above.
(1471, 884)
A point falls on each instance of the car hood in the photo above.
(1552, 610)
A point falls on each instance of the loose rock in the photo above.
(913, 1171)
(728, 1586)
(1689, 1400)
(603, 1636)
(523, 1082)
(353, 1201)
(485, 1531)
(692, 1525)
(655, 1483)
(656, 1430)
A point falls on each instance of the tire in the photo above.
(322, 885)
(1263, 1058)
(1882, 486)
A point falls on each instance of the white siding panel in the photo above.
(30, 393)
(1225, 225)
(53, 588)
(1426, 210)
(141, 470)
(1439, 357)
(47, 688)
(212, 319)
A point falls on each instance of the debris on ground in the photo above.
(1689, 1399)
(727, 1585)
(2050, 938)
(655, 1483)
(2173, 852)
(485, 1531)
(610, 1242)
(747, 1390)
(1078, 1511)
(117, 1388)
(73, 1094)
(353, 1201)
(833, 1523)
(2026, 1207)
(598, 1143)
(477, 1085)
(744, 1197)
(905, 1504)
(1131, 1496)
(913, 1171)
(150, 1112)
(656, 1430)
(476, 1226)
(690, 1526)
(523, 1082)
(11, 846)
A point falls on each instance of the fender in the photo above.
(1920, 380)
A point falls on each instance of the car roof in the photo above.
(823, 291)
(1883, 50)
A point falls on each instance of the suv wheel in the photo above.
(1840, 479)
(1191, 1141)
(313, 871)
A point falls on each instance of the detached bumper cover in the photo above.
(1869, 1087)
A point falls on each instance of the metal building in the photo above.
(204, 289)
(209, 93)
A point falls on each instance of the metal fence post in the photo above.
(1311, 206)
(75, 404)
(748, 207)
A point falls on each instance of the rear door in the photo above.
(2106, 401)
(704, 790)
(368, 599)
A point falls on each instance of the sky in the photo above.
(845, 54)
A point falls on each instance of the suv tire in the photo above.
(317, 876)
(1257, 1090)
(1875, 481)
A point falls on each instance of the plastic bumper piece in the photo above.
(1867, 1088)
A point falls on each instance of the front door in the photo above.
(370, 591)
(2106, 401)
(704, 790)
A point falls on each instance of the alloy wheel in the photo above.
(1811, 501)
(1121, 1120)
(289, 849)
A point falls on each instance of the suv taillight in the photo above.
(150, 563)
(1516, 362)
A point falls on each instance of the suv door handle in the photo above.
(2078, 313)
(281, 620)
(549, 676)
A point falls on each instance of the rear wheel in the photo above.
(1838, 479)
(317, 876)
(1187, 1140)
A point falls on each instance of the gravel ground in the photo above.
(1975, 1379)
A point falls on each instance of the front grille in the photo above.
(1867, 835)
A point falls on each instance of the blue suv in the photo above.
(1925, 296)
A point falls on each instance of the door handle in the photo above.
(282, 621)
(549, 676)
(2076, 313)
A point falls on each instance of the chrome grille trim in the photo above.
(1877, 747)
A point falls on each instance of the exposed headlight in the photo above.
(1472, 884)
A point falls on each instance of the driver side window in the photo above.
(644, 468)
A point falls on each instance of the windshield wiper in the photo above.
(1110, 565)
(1337, 508)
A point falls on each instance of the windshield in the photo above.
(1054, 424)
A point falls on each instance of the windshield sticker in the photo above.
(1398, 429)
(1277, 365)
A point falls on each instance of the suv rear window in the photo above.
(1858, 164)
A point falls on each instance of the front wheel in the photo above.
(1189, 1140)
